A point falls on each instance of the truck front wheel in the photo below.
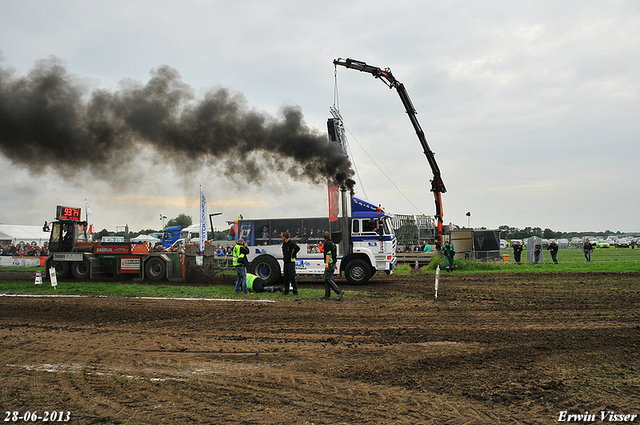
(80, 269)
(266, 268)
(357, 272)
(155, 269)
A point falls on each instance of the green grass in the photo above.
(23, 269)
(618, 260)
(127, 289)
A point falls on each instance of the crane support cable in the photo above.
(383, 173)
(356, 169)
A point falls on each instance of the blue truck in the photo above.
(170, 235)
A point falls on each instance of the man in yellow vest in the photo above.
(256, 284)
(240, 251)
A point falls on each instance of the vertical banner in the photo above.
(88, 213)
(203, 220)
(334, 201)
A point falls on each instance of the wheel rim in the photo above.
(155, 269)
(357, 273)
(263, 270)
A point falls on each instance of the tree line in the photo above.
(507, 232)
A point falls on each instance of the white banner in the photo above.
(20, 261)
(203, 220)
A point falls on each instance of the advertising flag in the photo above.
(89, 225)
(203, 220)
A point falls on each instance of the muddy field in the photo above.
(493, 349)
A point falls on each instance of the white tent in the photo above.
(145, 238)
(15, 234)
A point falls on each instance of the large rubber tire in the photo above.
(357, 272)
(81, 269)
(266, 268)
(62, 269)
(155, 269)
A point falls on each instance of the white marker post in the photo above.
(437, 278)
(38, 278)
(52, 276)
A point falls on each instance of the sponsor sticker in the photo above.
(130, 264)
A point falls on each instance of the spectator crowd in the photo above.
(24, 250)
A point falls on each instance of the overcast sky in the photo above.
(532, 108)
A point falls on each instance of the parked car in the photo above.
(623, 243)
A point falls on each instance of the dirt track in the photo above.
(494, 348)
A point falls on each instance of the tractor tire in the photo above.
(81, 269)
(62, 269)
(155, 269)
(357, 272)
(266, 268)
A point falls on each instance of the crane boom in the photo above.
(385, 75)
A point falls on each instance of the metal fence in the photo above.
(413, 229)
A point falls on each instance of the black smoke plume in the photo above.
(48, 117)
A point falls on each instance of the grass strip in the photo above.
(127, 289)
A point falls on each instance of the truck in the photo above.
(385, 75)
(170, 235)
(366, 246)
(363, 234)
(72, 254)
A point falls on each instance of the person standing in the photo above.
(587, 250)
(330, 258)
(290, 250)
(537, 251)
(449, 253)
(517, 251)
(240, 251)
(553, 250)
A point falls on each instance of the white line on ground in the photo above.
(141, 298)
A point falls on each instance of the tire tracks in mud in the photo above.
(489, 351)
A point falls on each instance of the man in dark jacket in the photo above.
(537, 252)
(330, 255)
(290, 250)
(517, 251)
(588, 247)
(553, 250)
